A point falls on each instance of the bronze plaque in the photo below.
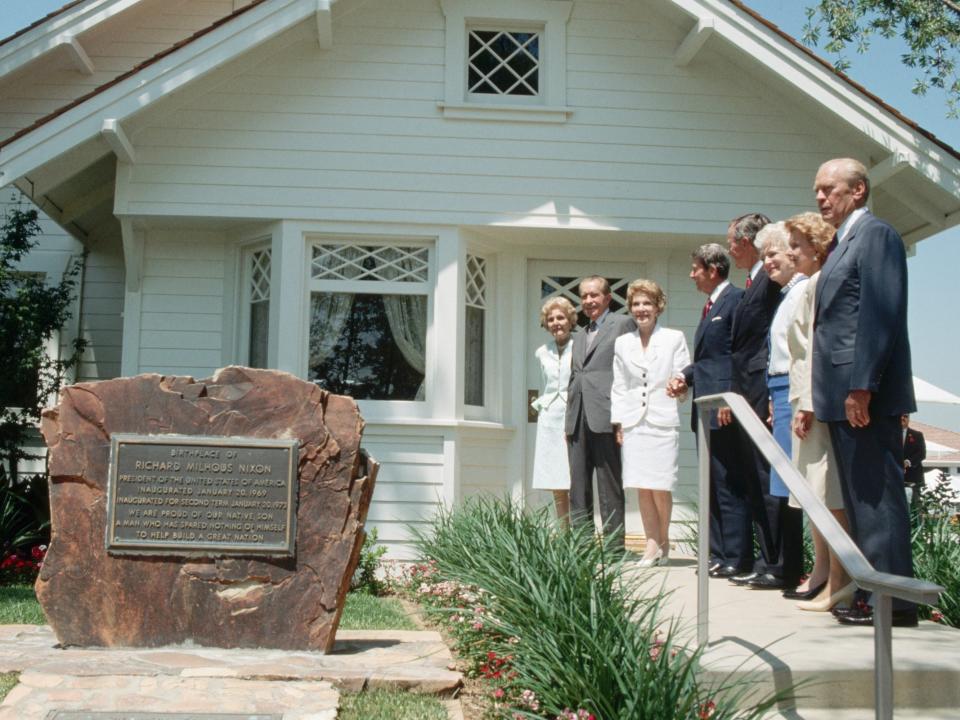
(201, 496)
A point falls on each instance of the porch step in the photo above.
(758, 634)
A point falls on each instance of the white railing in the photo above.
(884, 586)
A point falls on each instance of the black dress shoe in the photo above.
(714, 565)
(864, 618)
(743, 579)
(768, 582)
(806, 594)
(725, 571)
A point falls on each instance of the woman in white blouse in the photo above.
(646, 418)
(828, 584)
(551, 469)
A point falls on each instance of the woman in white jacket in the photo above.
(646, 417)
(551, 469)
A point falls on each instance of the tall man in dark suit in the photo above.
(591, 442)
(781, 563)
(731, 543)
(862, 376)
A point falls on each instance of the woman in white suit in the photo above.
(646, 417)
(551, 469)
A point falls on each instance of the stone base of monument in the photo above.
(275, 684)
(225, 512)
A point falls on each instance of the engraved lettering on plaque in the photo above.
(179, 495)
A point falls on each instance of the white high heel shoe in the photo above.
(654, 560)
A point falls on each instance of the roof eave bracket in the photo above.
(112, 132)
(324, 25)
(694, 41)
(78, 56)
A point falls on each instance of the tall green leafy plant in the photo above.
(31, 311)
(936, 548)
(580, 632)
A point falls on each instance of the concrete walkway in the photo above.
(758, 633)
(291, 685)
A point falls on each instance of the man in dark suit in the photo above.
(914, 453)
(731, 541)
(781, 563)
(862, 377)
(591, 442)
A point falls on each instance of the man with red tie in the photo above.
(731, 543)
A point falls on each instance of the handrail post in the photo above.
(882, 656)
(703, 535)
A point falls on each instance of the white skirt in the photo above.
(551, 467)
(650, 457)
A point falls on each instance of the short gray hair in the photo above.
(774, 236)
(713, 255)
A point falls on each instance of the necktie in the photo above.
(706, 308)
(749, 280)
(591, 333)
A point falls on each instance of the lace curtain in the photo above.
(407, 315)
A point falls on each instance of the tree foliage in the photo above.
(31, 311)
(929, 28)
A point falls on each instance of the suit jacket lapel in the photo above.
(708, 318)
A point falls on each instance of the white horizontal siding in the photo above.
(354, 133)
(484, 466)
(101, 322)
(115, 47)
(409, 486)
(181, 303)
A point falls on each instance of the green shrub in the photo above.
(936, 549)
(365, 578)
(568, 631)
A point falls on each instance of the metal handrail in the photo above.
(882, 585)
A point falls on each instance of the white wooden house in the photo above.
(398, 183)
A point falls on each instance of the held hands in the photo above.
(857, 406)
(618, 434)
(802, 422)
(676, 387)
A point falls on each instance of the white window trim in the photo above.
(485, 411)
(378, 410)
(551, 14)
(247, 249)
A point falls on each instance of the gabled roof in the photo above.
(80, 120)
(38, 23)
(762, 41)
(129, 73)
(846, 78)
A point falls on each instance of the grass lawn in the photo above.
(7, 681)
(19, 606)
(390, 705)
(368, 612)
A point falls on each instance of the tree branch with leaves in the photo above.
(929, 28)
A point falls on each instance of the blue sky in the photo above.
(934, 334)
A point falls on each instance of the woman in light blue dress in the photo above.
(551, 469)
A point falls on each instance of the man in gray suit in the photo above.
(862, 377)
(591, 441)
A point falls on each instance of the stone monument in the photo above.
(224, 512)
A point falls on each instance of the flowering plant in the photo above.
(18, 568)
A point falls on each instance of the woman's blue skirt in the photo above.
(779, 386)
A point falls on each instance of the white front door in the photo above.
(549, 278)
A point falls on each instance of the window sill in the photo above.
(515, 113)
